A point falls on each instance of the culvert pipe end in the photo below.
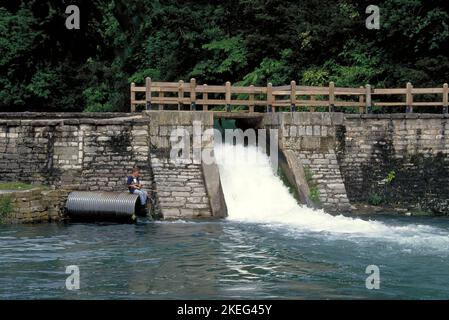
(102, 206)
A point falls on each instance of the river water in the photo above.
(268, 248)
(227, 259)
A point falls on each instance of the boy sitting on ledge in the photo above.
(136, 187)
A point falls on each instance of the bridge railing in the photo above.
(179, 95)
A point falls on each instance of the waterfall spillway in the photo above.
(254, 193)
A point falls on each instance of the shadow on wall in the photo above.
(415, 177)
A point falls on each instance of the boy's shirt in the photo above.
(132, 180)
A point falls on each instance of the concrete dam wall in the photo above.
(333, 158)
(96, 152)
(397, 159)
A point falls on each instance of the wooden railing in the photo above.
(285, 98)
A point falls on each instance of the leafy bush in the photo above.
(315, 77)
(271, 70)
(390, 177)
(228, 56)
(44, 67)
(375, 199)
(314, 195)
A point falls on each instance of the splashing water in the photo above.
(255, 194)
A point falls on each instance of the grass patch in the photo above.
(5, 208)
(15, 186)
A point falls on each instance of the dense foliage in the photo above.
(44, 66)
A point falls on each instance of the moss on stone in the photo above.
(421, 213)
(5, 208)
(20, 186)
(314, 192)
(291, 188)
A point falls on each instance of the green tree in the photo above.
(45, 67)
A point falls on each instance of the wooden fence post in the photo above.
(270, 97)
(293, 96)
(148, 92)
(161, 96)
(368, 100)
(192, 94)
(331, 96)
(251, 98)
(362, 102)
(445, 98)
(133, 97)
(409, 98)
(205, 97)
(228, 96)
(312, 108)
(180, 94)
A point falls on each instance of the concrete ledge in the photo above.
(294, 172)
(271, 119)
(63, 115)
(239, 115)
(214, 190)
(305, 115)
(54, 122)
(304, 118)
(397, 116)
(170, 118)
(34, 205)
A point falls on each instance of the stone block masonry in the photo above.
(182, 185)
(397, 159)
(32, 206)
(96, 152)
(110, 150)
(91, 151)
(401, 159)
(311, 137)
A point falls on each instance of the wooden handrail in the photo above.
(289, 96)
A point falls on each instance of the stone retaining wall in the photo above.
(181, 185)
(402, 159)
(96, 152)
(311, 137)
(397, 159)
(412, 148)
(31, 206)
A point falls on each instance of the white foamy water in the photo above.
(255, 194)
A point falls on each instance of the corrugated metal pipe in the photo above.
(103, 206)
